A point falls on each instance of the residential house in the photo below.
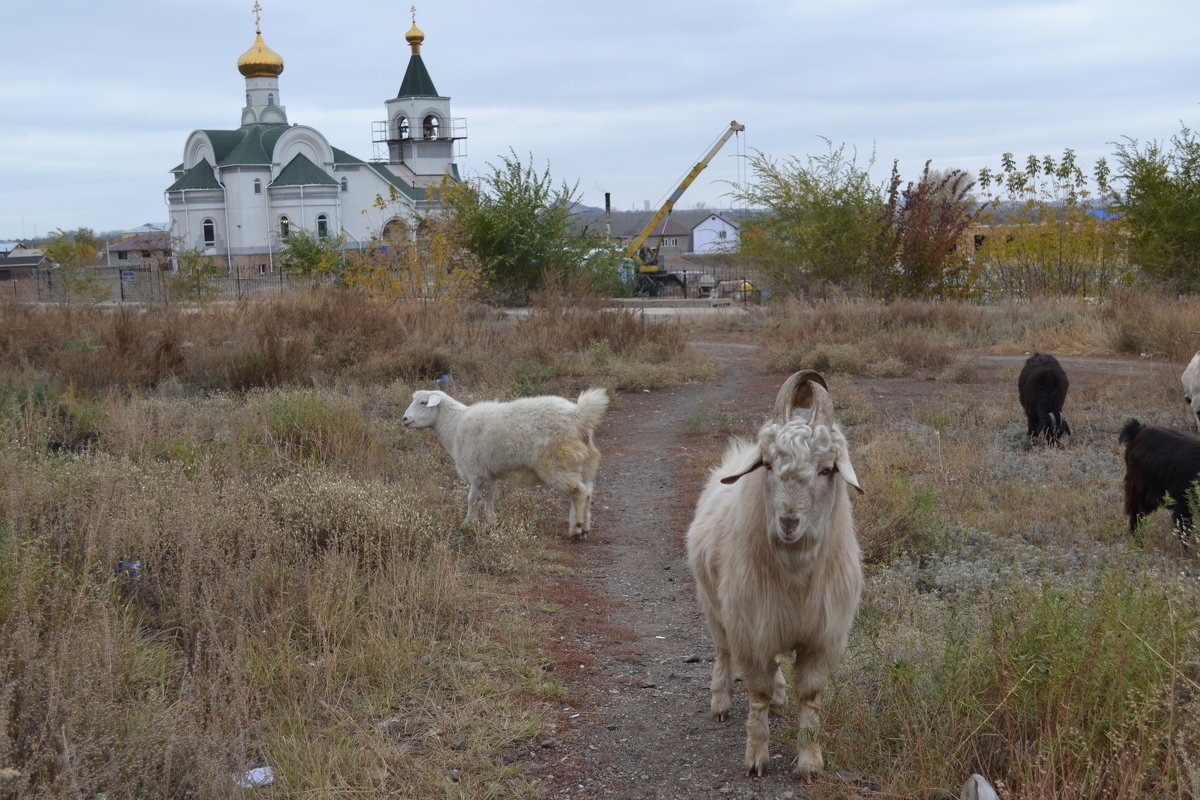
(22, 266)
(716, 233)
(684, 232)
(141, 251)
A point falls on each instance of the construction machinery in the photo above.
(652, 278)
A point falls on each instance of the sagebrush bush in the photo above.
(1070, 690)
(310, 426)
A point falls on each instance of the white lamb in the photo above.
(776, 564)
(532, 440)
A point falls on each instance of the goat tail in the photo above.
(592, 404)
(1130, 430)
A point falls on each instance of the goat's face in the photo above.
(806, 458)
(423, 410)
(1053, 428)
(805, 467)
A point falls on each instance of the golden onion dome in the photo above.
(415, 35)
(260, 61)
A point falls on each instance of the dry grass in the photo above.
(303, 594)
(305, 597)
(1011, 626)
(872, 338)
(329, 338)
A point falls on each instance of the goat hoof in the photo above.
(755, 770)
(809, 762)
(721, 716)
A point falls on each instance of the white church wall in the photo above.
(248, 212)
(306, 141)
(197, 149)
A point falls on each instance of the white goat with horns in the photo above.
(544, 439)
(777, 565)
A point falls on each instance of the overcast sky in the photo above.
(623, 97)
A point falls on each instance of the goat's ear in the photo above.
(434, 399)
(846, 470)
(734, 478)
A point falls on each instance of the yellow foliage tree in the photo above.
(414, 259)
(1044, 234)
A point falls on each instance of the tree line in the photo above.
(820, 222)
(1020, 229)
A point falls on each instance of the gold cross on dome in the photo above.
(257, 14)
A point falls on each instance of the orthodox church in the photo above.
(239, 193)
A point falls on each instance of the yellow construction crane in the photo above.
(651, 276)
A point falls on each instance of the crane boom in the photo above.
(639, 240)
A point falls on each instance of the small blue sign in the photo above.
(127, 276)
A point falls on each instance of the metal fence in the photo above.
(138, 285)
(693, 278)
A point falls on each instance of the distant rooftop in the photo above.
(150, 227)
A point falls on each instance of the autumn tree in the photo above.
(74, 255)
(819, 219)
(414, 259)
(1045, 232)
(1160, 207)
(918, 251)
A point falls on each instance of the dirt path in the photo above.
(643, 727)
(634, 641)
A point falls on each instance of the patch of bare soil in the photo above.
(634, 652)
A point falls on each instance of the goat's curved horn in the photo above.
(800, 390)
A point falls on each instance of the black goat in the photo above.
(1042, 389)
(1159, 462)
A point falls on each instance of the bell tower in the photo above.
(419, 131)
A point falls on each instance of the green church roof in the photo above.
(403, 186)
(256, 143)
(200, 176)
(301, 171)
(342, 157)
(417, 82)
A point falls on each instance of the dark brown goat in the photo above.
(1042, 389)
(1160, 463)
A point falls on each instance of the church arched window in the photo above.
(258, 185)
(270, 99)
(210, 233)
(345, 185)
(401, 127)
(432, 124)
(285, 227)
(322, 226)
